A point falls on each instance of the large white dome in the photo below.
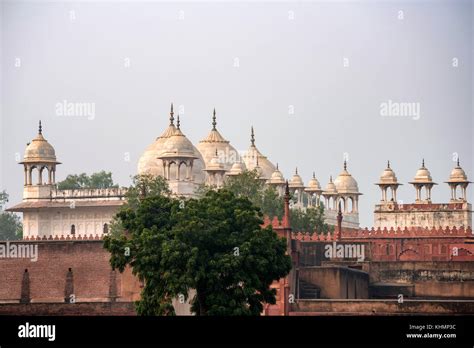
(227, 154)
(253, 157)
(149, 163)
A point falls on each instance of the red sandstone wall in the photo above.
(90, 266)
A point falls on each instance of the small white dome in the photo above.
(388, 176)
(39, 150)
(313, 185)
(345, 183)
(330, 188)
(423, 175)
(277, 177)
(458, 175)
(237, 168)
(296, 182)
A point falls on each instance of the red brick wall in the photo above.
(88, 261)
(80, 308)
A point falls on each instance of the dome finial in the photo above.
(330, 178)
(314, 175)
(458, 162)
(277, 166)
(296, 171)
(423, 163)
(171, 115)
(214, 123)
(345, 165)
(40, 129)
(388, 164)
(252, 137)
(178, 123)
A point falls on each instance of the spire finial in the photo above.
(314, 175)
(458, 162)
(171, 115)
(345, 165)
(388, 164)
(178, 123)
(296, 171)
(277, 166)
(252, 137)
(330, 178)
(40, 129)
(423, 163)
(214, 123)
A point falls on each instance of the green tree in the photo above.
(214, 245)
(263, 196)
(10, 224)
(271, 204)
(309, 221)
(143, 185)
(99, 180)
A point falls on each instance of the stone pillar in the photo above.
(40, 176)
(30, 175)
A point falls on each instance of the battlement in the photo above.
(63, 238)
(113, 193)
(430, 207)
(417, 232)
(275, 222)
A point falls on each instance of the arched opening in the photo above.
(350, 205)
(172, 171)
(73, 229)
(106, 228)
(330, 203)
(33, 175)
(342, 202)
(43, 176)
(183, 168)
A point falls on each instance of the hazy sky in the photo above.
(309, 76)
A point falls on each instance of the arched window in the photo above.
(106, 228)
(73, 229)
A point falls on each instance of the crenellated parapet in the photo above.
(378, 233)
(113, 193)
(275, 222)
(64, 238)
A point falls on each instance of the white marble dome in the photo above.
(150, 163)
(253, 157)
(345, 183)
(39, 150)
(228, 155)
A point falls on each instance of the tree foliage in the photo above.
(99, 180)
(10, 224)
(214, 245)
(309, 221)
(271, 204)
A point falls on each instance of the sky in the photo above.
(320, 81)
